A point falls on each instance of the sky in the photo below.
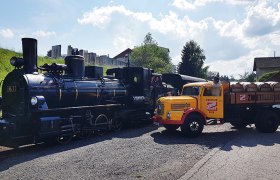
(231, 32)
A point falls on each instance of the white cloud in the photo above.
(169, 23)
(102, 16)
(43, 34)
(122, 42)
(274, 38)
(182, 28)
(7, 33)
(260, 23)
(234, 30)
(240, 65)
(228, 41)
(261, 19)
(182, 4)
(176, 59)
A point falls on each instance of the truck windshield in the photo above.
(191, 91)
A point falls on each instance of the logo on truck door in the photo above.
(211, 106)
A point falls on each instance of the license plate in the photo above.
(156, 123)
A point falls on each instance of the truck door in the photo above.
(212, 102)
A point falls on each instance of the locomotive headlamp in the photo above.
(38, 102)
(34, 101)
(17, 62)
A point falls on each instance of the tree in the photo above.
(211, 74)
(150, 55)
(192, 60)
(249, 77)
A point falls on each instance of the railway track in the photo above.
(6, 152)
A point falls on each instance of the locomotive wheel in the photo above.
(193, 126)
(84, 134)
(102, 122)
(64, 139)
(171, 127)
(117, 124)
(267, 122)
(100, 132)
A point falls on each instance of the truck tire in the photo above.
(171, 127)
(239, 123)
(267, 122)
(192, 126)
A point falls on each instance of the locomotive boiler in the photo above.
(63, 102)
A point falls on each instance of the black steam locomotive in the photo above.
(63, 102)
(70, 99)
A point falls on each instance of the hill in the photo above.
(6, 55)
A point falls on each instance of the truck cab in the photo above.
(201, 101)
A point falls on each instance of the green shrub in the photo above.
(266, 76)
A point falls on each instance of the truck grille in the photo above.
(177, 107)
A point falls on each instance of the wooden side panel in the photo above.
(255, 97)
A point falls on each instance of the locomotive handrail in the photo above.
(73, 108)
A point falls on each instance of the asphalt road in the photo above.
(249, 156)
(139, 153)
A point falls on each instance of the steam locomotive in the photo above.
(70, 99)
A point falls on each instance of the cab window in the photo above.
(191, 91)
(212, 91)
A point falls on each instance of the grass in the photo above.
(5, 56)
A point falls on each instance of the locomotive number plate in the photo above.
(11, 89)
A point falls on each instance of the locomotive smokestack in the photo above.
(29, 50)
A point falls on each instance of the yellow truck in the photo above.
(208, 103)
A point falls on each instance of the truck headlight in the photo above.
(34, 101)
(168, 115)
(159, 107)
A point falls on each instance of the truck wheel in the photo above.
(267, 122)
(239, 123)
(171, 127)
(193, 126)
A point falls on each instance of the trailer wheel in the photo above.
(239, 123)
(192, 126)
(171, 127)
(267, 122)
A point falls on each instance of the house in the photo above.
(124, 54)
(124, 57)
(264, 65)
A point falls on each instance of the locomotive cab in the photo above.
(138, 80)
